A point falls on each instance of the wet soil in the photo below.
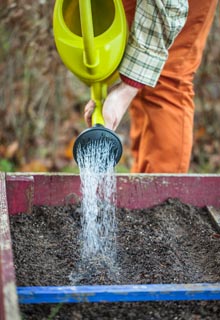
(170, 243)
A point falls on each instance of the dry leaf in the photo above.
(34, 166)
(69, 149)
(11, 150)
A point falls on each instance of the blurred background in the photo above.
(41, 102)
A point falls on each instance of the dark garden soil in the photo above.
(170, 243)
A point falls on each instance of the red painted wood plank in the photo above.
(56, 189)
(133, 191)
(26, 190)
(8, 297)
(143, 191)
(20, 192)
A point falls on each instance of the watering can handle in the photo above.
(91, 59)
(90, 54)
(98, 94)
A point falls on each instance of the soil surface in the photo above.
(169, 243)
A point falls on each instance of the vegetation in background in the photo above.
(41, 102)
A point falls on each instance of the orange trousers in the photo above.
(162, 117)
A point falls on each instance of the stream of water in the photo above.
(98, 187)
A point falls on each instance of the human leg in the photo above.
(162, 117)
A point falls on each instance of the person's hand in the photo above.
(115, 105)
(88, 111)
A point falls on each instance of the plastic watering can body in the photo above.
(91, 36)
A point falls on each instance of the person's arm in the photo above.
(156, 24)
(114, 107)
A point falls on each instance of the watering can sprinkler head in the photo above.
(98, 135)
(99, 140)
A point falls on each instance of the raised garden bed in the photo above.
(159, 249)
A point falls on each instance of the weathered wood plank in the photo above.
(133, 191)
(20, 192)
(8, 296)
(56, 189)
(120, 293)
(215, 217)
(144, 191)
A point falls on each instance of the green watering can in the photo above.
(90, 36)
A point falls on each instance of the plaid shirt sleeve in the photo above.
(155, 26)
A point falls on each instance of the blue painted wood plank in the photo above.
(122, 293)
